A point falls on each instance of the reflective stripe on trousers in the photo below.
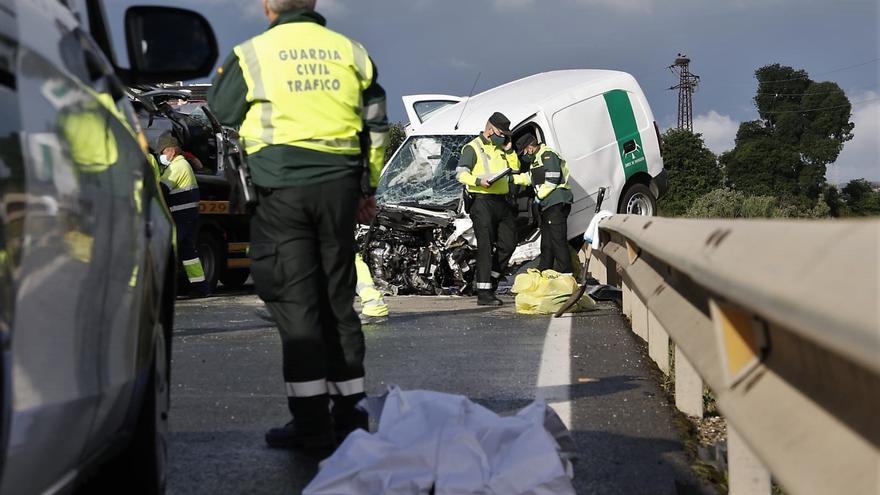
(312, 388)
(194, 270)
(347, 388)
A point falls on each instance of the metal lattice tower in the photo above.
(687, 86)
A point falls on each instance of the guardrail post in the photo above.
(598, 268)
(658, 343)
(639, 316)
(746, 473)
(688, 386)
(627, 300)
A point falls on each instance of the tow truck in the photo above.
(223, 234)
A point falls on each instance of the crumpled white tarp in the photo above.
(430, 442)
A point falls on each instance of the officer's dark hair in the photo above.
(282, 6)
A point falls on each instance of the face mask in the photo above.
(498, 140)
(527, 158)
(164, 160)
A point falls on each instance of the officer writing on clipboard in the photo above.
(483, 167)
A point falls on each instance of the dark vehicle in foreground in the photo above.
(87, 263)
(223, 234)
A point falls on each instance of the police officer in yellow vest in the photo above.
(494, 218)
(548, 174)
(182, 194)
(314, 127)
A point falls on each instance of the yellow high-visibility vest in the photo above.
(490, 161)
(553, 179)
(304, 89)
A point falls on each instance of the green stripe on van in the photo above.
(625, 129)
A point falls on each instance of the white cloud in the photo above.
(719, 131)
(860, 157)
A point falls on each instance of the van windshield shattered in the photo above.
(423, 172)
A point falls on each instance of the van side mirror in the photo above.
(168, 44)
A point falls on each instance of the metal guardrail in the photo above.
(781, 319)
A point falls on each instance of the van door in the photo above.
(585, 138)
(600, 139)
(420, 108)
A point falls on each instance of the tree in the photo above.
(692, 167)
(396, 137)
(802, 128)
(861, 198)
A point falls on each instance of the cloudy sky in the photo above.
(439, 46)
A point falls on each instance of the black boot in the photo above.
(263, 313)
(291, 436)
(487, 298)
(311, 428)
(347, 417)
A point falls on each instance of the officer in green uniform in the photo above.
(182, 194)
(314, 127)
(494, 219)
(548, 174)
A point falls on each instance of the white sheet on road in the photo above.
(446, 443)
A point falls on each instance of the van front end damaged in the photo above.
(411, 251)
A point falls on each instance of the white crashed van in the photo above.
(598, 120)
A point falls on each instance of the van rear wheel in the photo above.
(638, 200)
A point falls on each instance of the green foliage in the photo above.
(785, 153)
(861, 199)
(833, 200)
(729, 203)
(396, 137)
(692, 167)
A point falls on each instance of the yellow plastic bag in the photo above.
(541, 293)
(526, 282)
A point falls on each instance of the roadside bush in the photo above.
(728, 203)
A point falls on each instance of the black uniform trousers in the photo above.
(495, 230)
(186, 223)
(555, 254)
(303, 250)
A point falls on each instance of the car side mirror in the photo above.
(168, 44)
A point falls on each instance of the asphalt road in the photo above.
(227, 390)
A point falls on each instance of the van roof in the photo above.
(520, 99)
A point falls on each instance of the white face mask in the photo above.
(164, 160)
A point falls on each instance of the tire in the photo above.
(235, 279)
(213, 257)
(638, 200)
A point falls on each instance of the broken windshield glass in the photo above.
(423, 172)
